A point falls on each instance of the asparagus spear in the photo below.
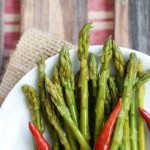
(42, 93)
(83, 46)
(93, 89)
(121, 146)
(129, 82)
(93, 75)
(99, 110)
(77, 93)
(126, 130)
(120, 75)
(57, 82)
(54, 121)
(67, 80)
(55, 144)
(43, 96)
(72, 140)
(126, 134)
(141, 129)
(133, 114)
(107, 105)
(133, 124)
(58, 101)
(120, 66)
(113, 91)
(143, 78)
(34, 105)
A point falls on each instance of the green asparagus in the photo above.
(107, 105)
(126, 129)
(72, 140)
(67, 80)
(34, 105)
(42, 92)
(133, 124)
(55, 142)
(83, 46)
(99, 110)
(126, 134)
(120, 67)
(133, 116)
(93, 75)
(143, 78)
(93, 89)
(43, 96)
(57, 82)
(77, 90)
(120, 75)
(113, 92)
(56, 124)
(129, 83)
(141, 129)
(58, 101)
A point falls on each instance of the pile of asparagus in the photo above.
(76, 107)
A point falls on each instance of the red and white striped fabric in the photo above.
(100, 13)
(11, 28)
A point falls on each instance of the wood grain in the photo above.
(63, 19)
(132, 24)
(139, 25)
(121, 23)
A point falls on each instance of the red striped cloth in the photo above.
(100, 13)
(10, 28)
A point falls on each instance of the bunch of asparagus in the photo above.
(76, 109)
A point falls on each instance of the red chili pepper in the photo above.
(41, 143)
(146, 116)
(104, 137)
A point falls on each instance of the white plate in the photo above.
(14, 113)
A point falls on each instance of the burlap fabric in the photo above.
(32, 45)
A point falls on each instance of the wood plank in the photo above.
(132, 24)
(139, 25)
(63, 19)
(121, 22)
